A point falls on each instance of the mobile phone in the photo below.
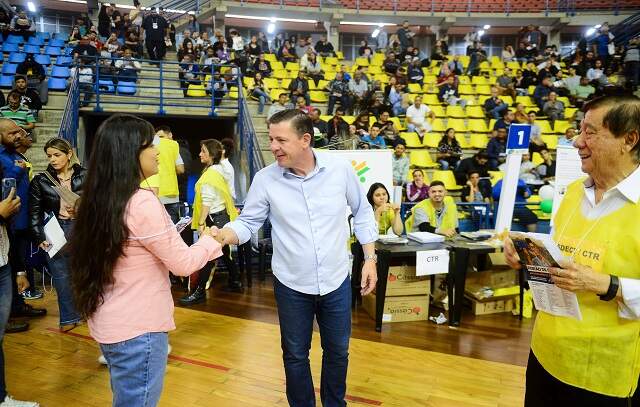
(7, 184)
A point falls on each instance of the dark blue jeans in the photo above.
(296, 312)
(59, 270)
(5, 309)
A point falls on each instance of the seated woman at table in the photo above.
(417, 190)
(387, 214)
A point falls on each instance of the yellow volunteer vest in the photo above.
(168, 150)
(601, 353)
(216, 180)
(386, 221)
(151, 182)
(449, 219)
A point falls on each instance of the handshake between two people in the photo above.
(224, 236)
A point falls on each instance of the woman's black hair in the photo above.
(372, 190)
(100, 231)
(445, 139)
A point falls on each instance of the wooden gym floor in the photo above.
(227, 353)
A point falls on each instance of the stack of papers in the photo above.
(392, 239)
(425, 237)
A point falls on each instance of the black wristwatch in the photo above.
(611, 293)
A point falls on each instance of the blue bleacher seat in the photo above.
(1, 38)
(31, 49)
(106, 86)
(8, 47)
(56, 42)
(52, 51)
(68, 51)
(35, 41)
(57, 84)
(127, 88)
(6, 81)
(9, 69)
(62, 60)
(17, 57)
(15, 39)
(43, 35)
(43, 59)
(60, 72)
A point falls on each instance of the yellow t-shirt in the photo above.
(386, 221)
(169, 151)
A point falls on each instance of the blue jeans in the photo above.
(496, 112)
(5, 309)
(444, 164)
(136, 368)
(262, 99)
(296, 312)
(59, 270)
(344, 103)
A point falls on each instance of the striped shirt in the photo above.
(22, 116)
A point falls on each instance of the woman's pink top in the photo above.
(140, 299)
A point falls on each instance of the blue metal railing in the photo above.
(248, 137)
(211, 88)
(69, 124)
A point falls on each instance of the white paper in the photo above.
(55, 236)
(568, 169)
(397, 195)
(426, 237)
(430, 262)
(508, 193)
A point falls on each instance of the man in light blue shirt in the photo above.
(305, 196)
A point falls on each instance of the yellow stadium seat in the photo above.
(312, 85)
(483, 89)
(378, 59)
(271, 83)
(292, 66)
(277, 66)
(275, 93)
(545, 126)
(478, 140)
(570, 112)
(506, 99)
(564, 100)
(430, 79)
(492, 124)
(280, 74)
(464, 80)
(374, 70)
(438, 110)
(412, 140)
(415, 88)
(349, 119)
(534, 199)
(493, 80)
(339, 55)
(421, 159)
(430, 100)
(331, 61)
(432, 140)
(475, 112)
(326, 117)
(286, 82)
(456, 111)
(447, 178)
(495, 176)
(247, 80)
(531, 89)
(525, 100)
(513, 65)
(497, 64)
(438, 125)
(426, 71)
(196, 91)
(271, 58)
(362, 61)
(458, 125)
(233, 93)
(537, 159)
(398, 123)
(382, 78)
(462, 140)
(466, 90)
(322, 84)
(560, 126)
(482, 99)
(318, 96)
(551, 140)
(328, 68)
(478, 126)
(292, 74)
(479, 80)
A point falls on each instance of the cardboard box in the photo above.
(493, 278)
(491, 307)
(402, 280)
(399, 309)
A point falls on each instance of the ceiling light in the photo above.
(486, 26)
(365, 23)
(31, 7)
(271, 28)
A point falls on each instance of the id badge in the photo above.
(155, 26)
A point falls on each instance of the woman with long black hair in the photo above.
(123, 246)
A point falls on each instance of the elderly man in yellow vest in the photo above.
(170, 165)
(438, 214)
(595, 361)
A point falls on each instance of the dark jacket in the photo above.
(44, 199)
(37, 70)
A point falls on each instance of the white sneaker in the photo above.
(10, 402)
(103, 361)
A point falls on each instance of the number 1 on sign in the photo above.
(520, 137)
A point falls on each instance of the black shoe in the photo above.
(196, 297)
(15, 327)
(233, 287)
(27, 310)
